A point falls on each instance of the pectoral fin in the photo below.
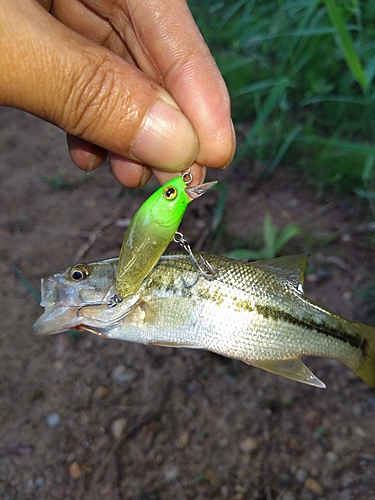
(294, 369)
(173, 344)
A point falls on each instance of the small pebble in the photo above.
(85, 444)
(322, 273)
(89, 203)
(122, 375)
(87, 344)
(61, 345)
(313, 418)
(21, 450)
(170, 472)
(228, 379)
(123, 223)
(224, 491)
(101, 392)
(118, 427)
(248, 445)
(300, 475)
(313, 486)
(294, 202)
(59, 364)
(359, 432)
(287, 495)
(39, 482)
(75, 471)
(53, 419)
(331, 457)
(348, 479)
(183, 440)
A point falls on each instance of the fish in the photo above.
(151, 230)
(255, 312)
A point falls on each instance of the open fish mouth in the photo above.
(66, 309)
(56, 320)
(57, 317)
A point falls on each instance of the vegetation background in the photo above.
(301, 79)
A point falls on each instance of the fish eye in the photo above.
(169, 193)
(79, 272)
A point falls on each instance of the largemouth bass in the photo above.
(151, 231)
(255, 312)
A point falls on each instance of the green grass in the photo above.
(274, 240)
(301, 78)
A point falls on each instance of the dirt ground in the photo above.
(89, 418)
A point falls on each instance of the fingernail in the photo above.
(92, 162)
(198, 173)
(167, 139)
(146, 174)
(227, 165)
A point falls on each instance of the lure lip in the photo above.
(197, 191)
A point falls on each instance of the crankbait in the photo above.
(151, 230)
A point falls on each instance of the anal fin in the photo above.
(294, 369)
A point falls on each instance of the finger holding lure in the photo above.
(151, 230)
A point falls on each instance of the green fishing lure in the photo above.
(151, 230)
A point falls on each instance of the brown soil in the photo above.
(169, 423)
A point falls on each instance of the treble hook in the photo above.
(112, 302)
(207, 270)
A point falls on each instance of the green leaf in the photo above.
(289, 139)
(219, 208)
(354, 147)
(270, 104)
(346, 42)
(269, 234)
(289, 232)
(29, 287)
(244, 254)
(368, 168)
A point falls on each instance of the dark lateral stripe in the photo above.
(356, 341)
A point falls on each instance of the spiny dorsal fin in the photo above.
(290, 267)
(294, 369)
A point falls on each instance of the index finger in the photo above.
(166, 30)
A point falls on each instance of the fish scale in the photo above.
(255, 312)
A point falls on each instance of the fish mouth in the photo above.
(56, 320)
(197, 191)
(85, 328)
(60, 320)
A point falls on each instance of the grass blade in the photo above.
(354, 147)
(26, 282)
(219, 208)
(270, 104)
(346, 42)
(289, 139)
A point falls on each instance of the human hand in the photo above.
(136, 82)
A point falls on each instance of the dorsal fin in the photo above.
(290, 267)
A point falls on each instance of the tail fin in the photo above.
(366, 367)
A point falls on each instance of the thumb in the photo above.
(88, 91)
